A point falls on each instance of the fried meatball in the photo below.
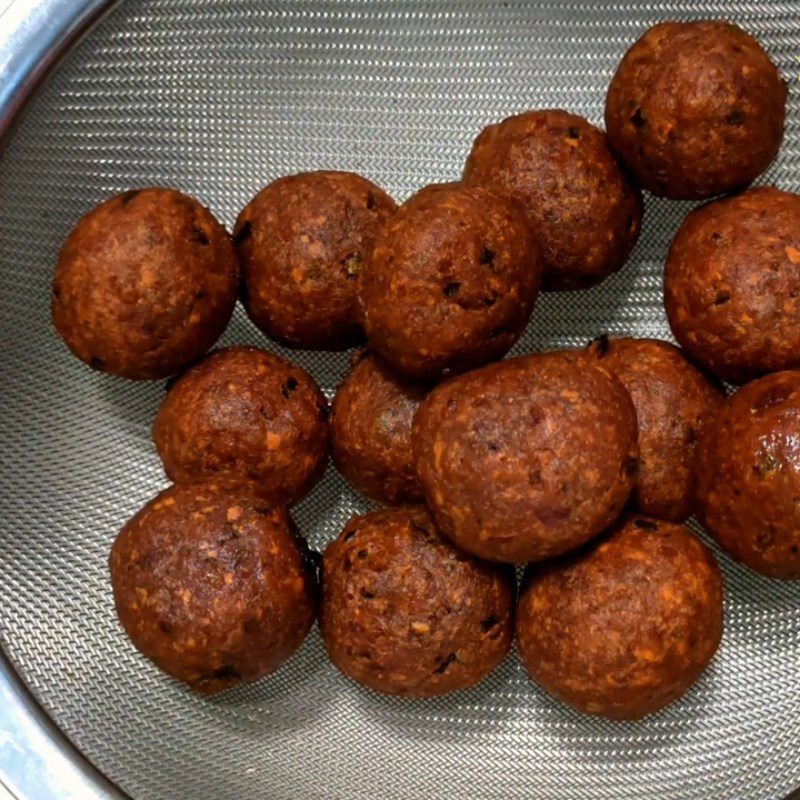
(748, 475)
(732, 284)
(585, 213)
(302, 241)
(145, 284)
(245, 415)
(451, 281)
(371, 432)
(212, 587)
(625, 625)
(528, 458)
(404, 612)
(696, 109)
(673, 401)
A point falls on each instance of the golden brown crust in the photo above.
(371, 432)
(585, 213)
(696, 109)
(626, 625)
(451, 281)
(673, 402)
(732, 284)
(302, 241)
(245, 415)
(527, 458)
(404, 612)
(748, 475)
(211, 586)
(145, 284)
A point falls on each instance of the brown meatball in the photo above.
(212, 587)
(451, 281)
(145, 284)
(696, 109)
(528, 458)
(245, 415)
(673, 401)
(586, 214)
(371, 432)
(405, 612)
(625, 625)
(732, 284)
(302, 241)
(748, 475)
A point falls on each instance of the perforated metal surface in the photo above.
(218, 98)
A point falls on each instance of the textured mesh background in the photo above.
(218, 98)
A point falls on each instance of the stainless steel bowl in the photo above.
(217, 98)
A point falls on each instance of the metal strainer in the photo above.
(218, 97)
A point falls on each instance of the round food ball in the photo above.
(696, 109)
(145, 284)
(245, 415)
(404, 612)
(371, 432)
(625, 625)
(302, 241)
(748, 475)
(527, 458)
(585, 213)
(212, 587)
(673, 402)
(451, 281)
(732, 284)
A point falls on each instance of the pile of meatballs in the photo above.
(580, 464)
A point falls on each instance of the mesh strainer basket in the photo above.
(218, 97)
